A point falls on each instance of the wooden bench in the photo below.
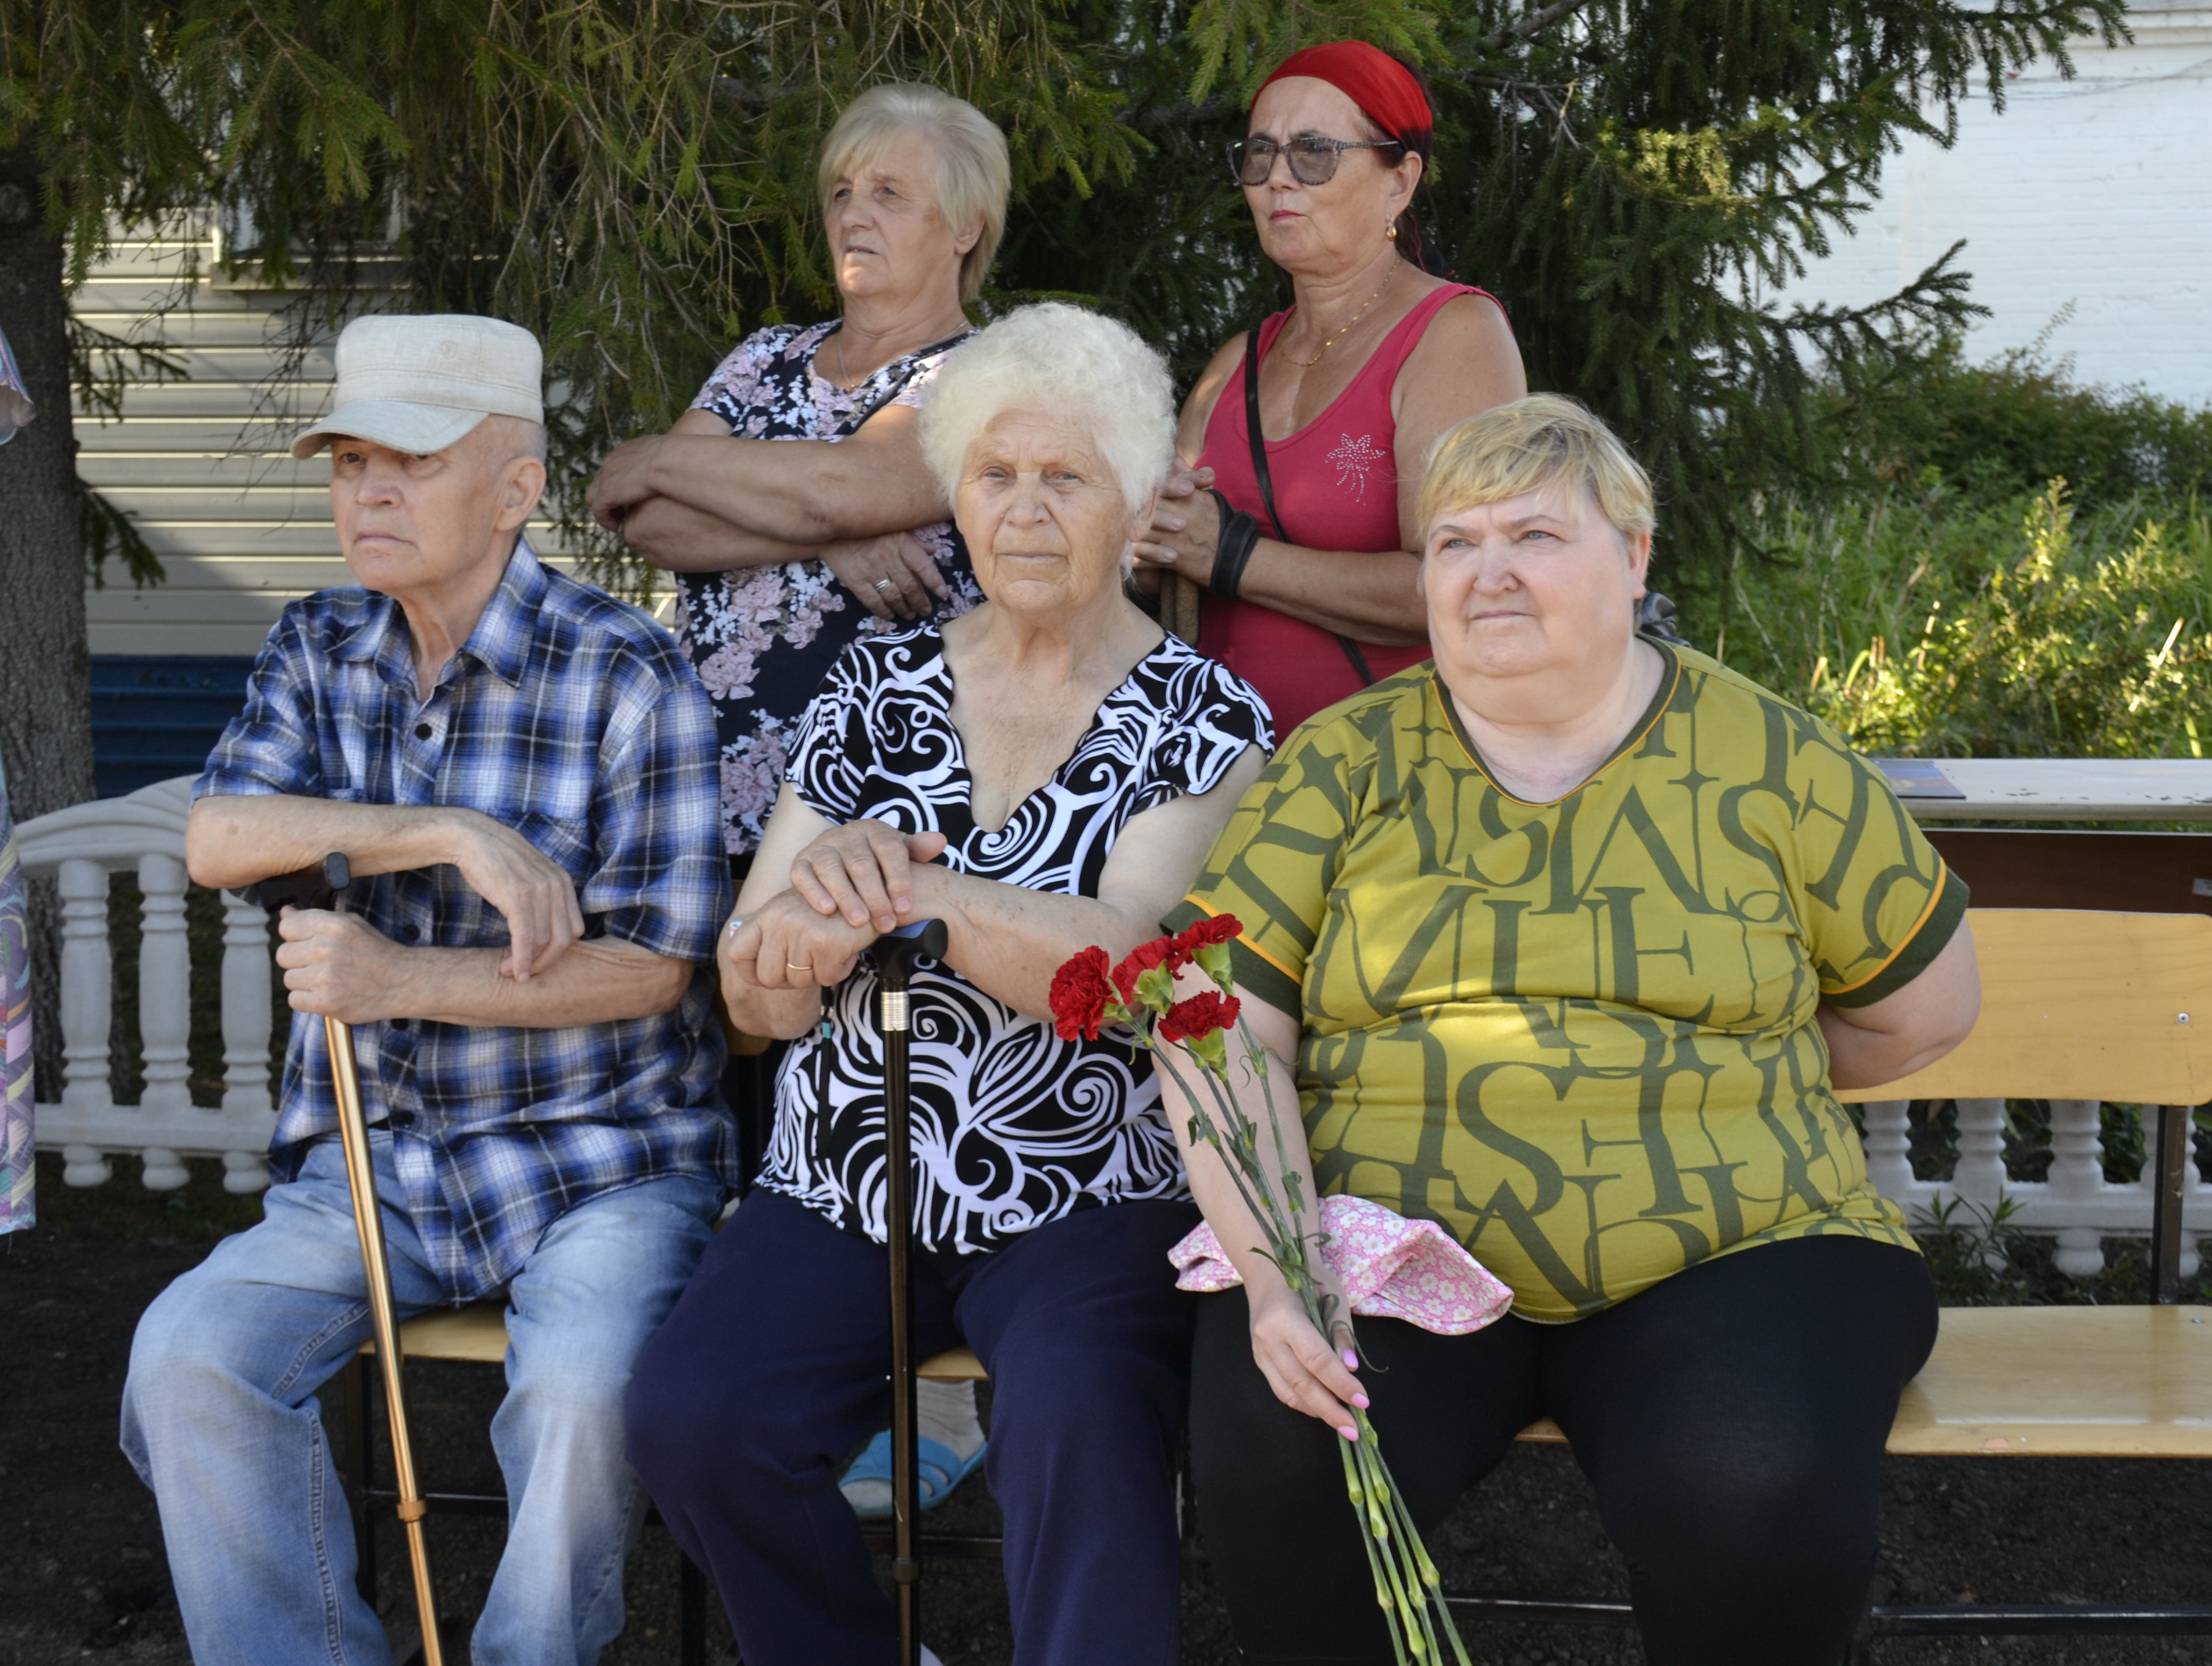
(2076, 1004)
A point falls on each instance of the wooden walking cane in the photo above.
(895, 952)
(326, 887)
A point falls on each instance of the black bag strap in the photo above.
(1351, 651)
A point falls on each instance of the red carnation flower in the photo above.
(1200, 1016)
(1080, 996)
(1217, 928)
(1162, 953)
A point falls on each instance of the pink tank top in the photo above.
(1336, 486)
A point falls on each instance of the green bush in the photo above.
(1995, 563)
(1994, 430)
(1937, 625)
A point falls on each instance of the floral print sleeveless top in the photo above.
(763, 637)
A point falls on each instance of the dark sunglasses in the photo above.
(1313, 160)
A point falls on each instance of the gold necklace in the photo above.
(1307, 364)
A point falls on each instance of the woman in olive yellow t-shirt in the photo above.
(1569, 938)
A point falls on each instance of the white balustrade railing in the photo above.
(145, 833)
(2076, 1205)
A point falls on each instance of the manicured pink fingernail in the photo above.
(1349, 1433)
(1360, 1401)
(1351, 1360)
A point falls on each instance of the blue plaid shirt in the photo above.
(578, 722)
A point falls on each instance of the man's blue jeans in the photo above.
(219, 1419)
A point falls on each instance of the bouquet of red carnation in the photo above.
(1089, 994)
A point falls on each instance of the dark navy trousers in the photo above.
(771, 1372)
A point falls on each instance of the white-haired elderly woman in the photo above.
(785, 552)
(1042, 774)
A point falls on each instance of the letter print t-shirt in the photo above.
(1580, 1035)
(1012, 1126)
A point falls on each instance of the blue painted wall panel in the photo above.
(156, 716)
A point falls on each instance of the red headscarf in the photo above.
(1385, 88)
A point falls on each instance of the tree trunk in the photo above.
(46, 698)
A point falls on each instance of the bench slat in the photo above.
(2075, 1382)
(2054, 1382)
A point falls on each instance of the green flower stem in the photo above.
(1407, 1586)
(1382, 1590)
(1412, 1614)
(1424, 1568)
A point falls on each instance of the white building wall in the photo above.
(2094, 194)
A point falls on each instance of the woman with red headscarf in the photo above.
(1304, 440)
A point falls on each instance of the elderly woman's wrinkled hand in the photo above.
(622, 480)
(1186, 526)
(863, 872)
(786, 946)
(1307, 1373)
(893, 577)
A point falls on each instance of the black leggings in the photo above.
(1731, 1418)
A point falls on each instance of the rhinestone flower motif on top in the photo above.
(1352, 460)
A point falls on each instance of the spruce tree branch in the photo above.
(1531, 24)
(1160, 119)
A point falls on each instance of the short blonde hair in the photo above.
(1542, 441)
(1067, 362)
(970, 172)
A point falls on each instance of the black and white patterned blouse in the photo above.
(1012, 1127)
(762, 637)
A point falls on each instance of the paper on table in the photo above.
(1917, 778)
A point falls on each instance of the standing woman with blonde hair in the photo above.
(1304, 439)
(821, 522)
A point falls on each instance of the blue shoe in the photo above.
(940, 1470)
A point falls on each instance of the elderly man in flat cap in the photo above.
(524, 770)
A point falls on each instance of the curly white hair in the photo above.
(1070, 361)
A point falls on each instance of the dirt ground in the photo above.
(83, 1574)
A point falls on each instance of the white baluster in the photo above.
(1888, 1147)
(1979, 1175)
(245, 1033)
(86, 1004)
(2077, 1175)
(2147, 1183)
(85, 1165)
(1980, 1171)
(165, 1008)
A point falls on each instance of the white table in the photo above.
(2059, 789)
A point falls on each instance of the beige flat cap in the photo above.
(420, 384)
